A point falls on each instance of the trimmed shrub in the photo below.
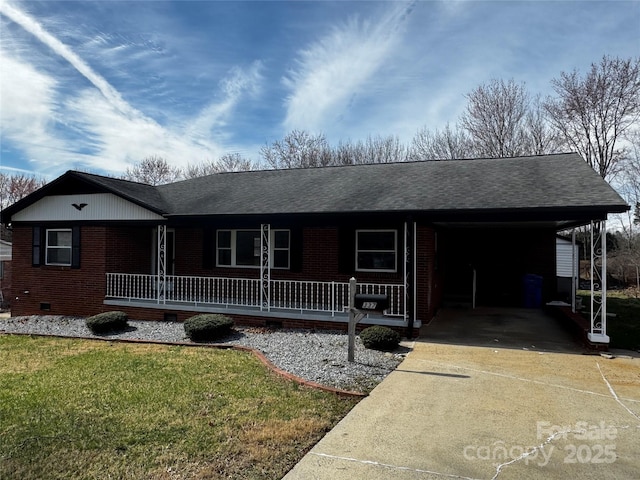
(378, 337)
(206, 327)
(107, 322)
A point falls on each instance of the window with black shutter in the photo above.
(56, 247)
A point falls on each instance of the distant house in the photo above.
(5, 274)
(567, 267)
(279, 246)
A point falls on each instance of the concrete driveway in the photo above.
(486, 412)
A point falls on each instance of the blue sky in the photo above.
(99, 85)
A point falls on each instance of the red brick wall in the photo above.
(68, 291)
(129, 250)
(320, 259)
(427, 288)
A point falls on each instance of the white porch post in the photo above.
(575, 271)
(265, 267)
(414, 309)
(161, 270)
(598, 332)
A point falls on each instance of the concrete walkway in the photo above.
(456, 411)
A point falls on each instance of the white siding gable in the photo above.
(96, 206)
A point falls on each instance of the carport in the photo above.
(486, 265)
(491, 262)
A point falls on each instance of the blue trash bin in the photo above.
(532, 291)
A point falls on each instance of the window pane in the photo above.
(246, 252)
(376, 261)
(281, 239)
(376, 241)
(281, 259)
(60, 256)
(59, 238)
(224, 239)
(224, 257)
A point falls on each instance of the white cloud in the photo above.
(119, 141)
(108, 133)
(330, 72)
(32, 26)
(233, 88)
(28, 108)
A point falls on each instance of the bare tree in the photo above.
(631, 182)
(375, 149)
(16, 187)
(231, 162)
(153, 170)
(299, 149)
(496, 119)
(594, 113)
(542, 137)
(448, 144)
(384, 149)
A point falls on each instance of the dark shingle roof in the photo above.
(538, 183)
(145, 195)
(141, 194)
(550, 181)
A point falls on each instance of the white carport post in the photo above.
(265, 267)
(598, 332)
(575, 271)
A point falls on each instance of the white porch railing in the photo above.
(297, 295)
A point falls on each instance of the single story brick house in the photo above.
(279, 246)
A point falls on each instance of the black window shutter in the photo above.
(208, 248)
(296, 249)
(346, 250)
(37, 247)
(75, 247)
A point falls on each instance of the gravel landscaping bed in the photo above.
(317, 356)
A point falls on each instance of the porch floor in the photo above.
(275, 313)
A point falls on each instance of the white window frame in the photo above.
(49, 247)
(233, 248)
(395, 251)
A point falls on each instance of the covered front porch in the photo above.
(263, 290)
(292, 299)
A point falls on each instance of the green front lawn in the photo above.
(624, 327)
(78, 409)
